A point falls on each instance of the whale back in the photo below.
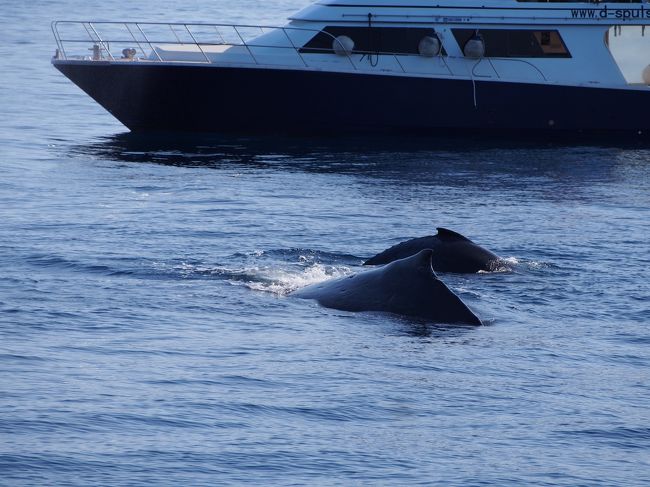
(457, 253)
(453, 252)
(404, 249)
(446, 235)
(406, 287)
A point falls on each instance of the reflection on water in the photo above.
(485, 163)
(213, 149)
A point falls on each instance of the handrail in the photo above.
(197, 44)
(295, 48)
(94, 37)
(129, 28)
(101, 42)
(136, 35)
(244, 43)
(148, 42)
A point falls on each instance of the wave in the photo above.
(278, 271)
(622, 436)
(276, 279)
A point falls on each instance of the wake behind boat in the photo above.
(374, 66)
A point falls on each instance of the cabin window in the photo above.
(516, 42)
(389, 40)
(551, 43)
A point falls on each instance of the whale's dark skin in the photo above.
(406, 287)
(452, 253)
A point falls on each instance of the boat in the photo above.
(379, 66)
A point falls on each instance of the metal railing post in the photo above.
(400, 64)
(444, 61)
(197, 44)
(90, 36)
(244, 44)
(135, 40)
(294, 47)
(493, 68)
(148, 42)
(171, 27)
(216, 28)
(57, 38)
(101, 42)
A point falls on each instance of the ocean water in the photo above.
(146, 335)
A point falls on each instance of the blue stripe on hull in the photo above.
(225, 99)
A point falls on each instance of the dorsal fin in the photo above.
(446, 234)
(422, 260)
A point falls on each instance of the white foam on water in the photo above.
(536, 264)
(277, 279)
(283, 281)
(503, 265)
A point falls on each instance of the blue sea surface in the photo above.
(146, 335)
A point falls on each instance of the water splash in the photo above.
(284, 281)
(279, 278)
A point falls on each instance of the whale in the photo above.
(407, 287)
(453, 253)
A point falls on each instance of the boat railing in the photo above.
(211, 44)
(204, 43)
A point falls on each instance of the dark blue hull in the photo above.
(164, 97)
